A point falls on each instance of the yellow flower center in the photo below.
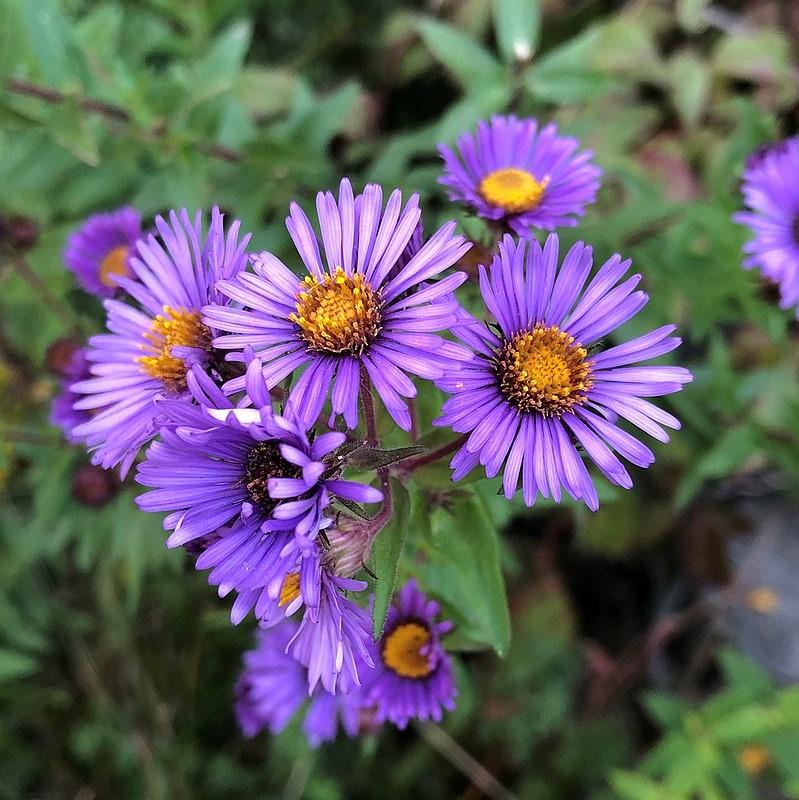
(513, 190)
(402, 650)
(754, 758)
(177, 327)
(290, 590)
(544, 370)
(339, 314)
(114, 265)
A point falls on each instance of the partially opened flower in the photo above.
(360, 309)
(62, 411)
(772, 197)
(99, 253)
(513, 170)
(413, 677)
(151, 346)
(273, 686)
(543, 384)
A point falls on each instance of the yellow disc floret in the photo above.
(290, 590)
(176, 327)
(114, 265)
(544, 370)
(513, 190)
(339, 314)
(402, 650)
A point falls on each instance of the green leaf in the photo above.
(464, 569)
(371, 458)
(690, 81)
(469, 62)
(517, 24)
(386, 554)
(630, 786)
(667, 711)
(15, 665)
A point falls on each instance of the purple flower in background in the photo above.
(543, 384)
(512, 170)
(414, 678)
(62, 412)
(99, 253)
(273, 686)
(354, 311)
(149, 350)
(772, 196)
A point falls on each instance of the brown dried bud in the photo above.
(58, 357)
(21, 233)
(94, 486)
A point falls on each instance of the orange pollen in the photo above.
(290, 590)
(177, 327)
(513, 190)
(339, 314)
(402, 650)
(114, 265)
(544, 370)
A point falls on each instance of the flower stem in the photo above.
(368, 410)
(434, 455)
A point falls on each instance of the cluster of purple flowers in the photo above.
(248, 380)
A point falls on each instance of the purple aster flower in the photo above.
(62, 412)
(413, 678)
(773, 199)
(273, 686)
(511, 170)
(252, 478)
(543, 384)
(353, 313)
(149, 349)
(99, 253)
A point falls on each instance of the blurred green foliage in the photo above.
(116, 660)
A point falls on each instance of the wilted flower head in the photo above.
(99, 253)
(513, 170)
(543, 383)
(772, 197)
(355, 312)
(150, 348)
(413, 677)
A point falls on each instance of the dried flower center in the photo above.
(176, 327)
(264, 461)
(544, 370)
(114, 265)
(290, 590)
(339, 314)
(513, 190)
(402, 650)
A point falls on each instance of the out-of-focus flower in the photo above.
(73, 367)
(94, 486)
(413, 677)
(354, 312)
(149, 350)
(543, 384)
(772, 197)
(99, 253)
(530, 177)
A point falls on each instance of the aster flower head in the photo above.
(253, 479)
(361, 309)
(413, 677)
(273, 687)
(151, 346)
(542, 384)
(62, 412)
(516, 171)
(772, 200)
(99, 253)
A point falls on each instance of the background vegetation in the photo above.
(654, 650)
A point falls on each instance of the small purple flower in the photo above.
(99, 253)
(62, 412)
(413, 678)
(355, 313)
(772, 196)
(149, 350)
(273, 686)
(543, 384)
(511, 170)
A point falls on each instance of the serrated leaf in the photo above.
(386, 554)
(464, 569)
(468, 61)
(517, 24)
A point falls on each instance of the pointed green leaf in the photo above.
(517, 25)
